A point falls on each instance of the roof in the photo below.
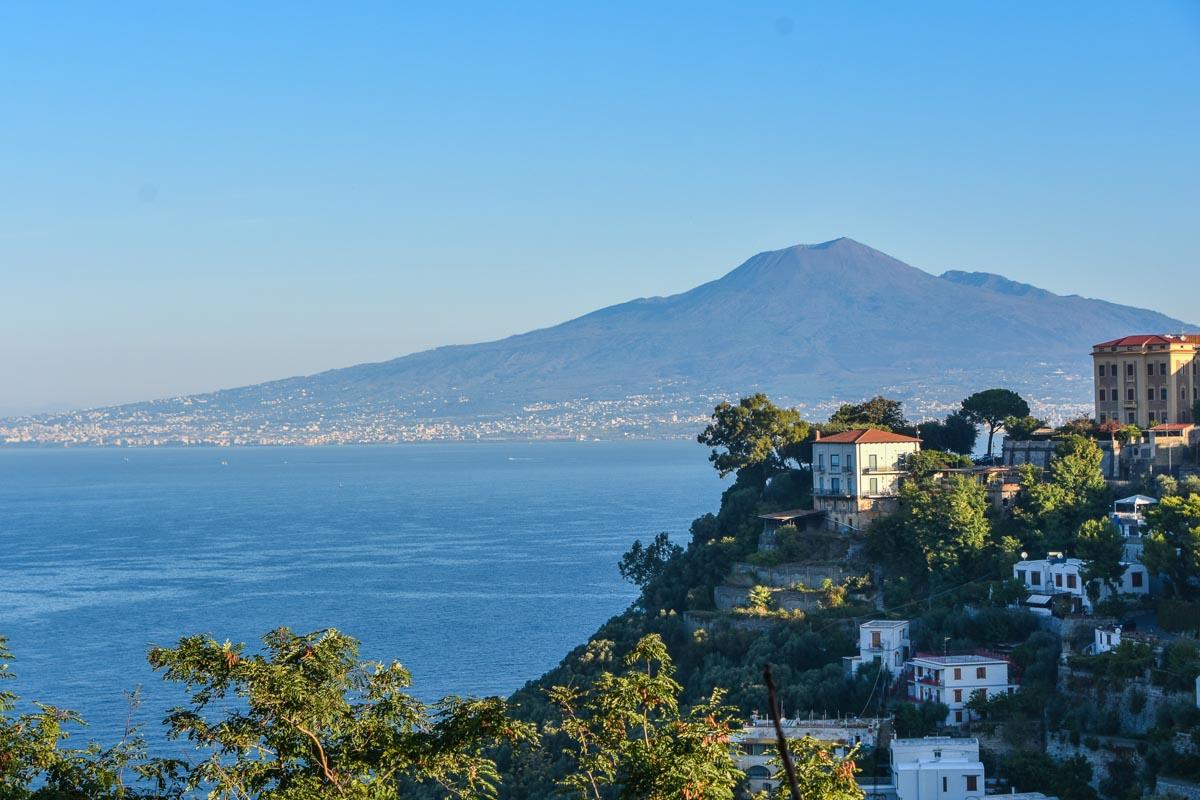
(884, 623)
(1172, 426)
(1141, 340)
(866, 436)
(1137, 499)
(964, 659)
(1037, 599)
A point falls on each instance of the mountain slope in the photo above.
(807, 323)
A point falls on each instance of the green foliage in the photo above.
(36, 764)
(315, 722)
(914, 720)
(1080, 426)
(956, 434)
(1022, 428)
(878, 412)
(1128, 660)
(942, 528)
(821, 774)
(1100, 544)
(1180, 665)
(1173, 546)
(925, 464)
(761, 599)
(991, 407)
(641, 564)
(1035, 771)
(753, 435)
(1074, 493)
(626, 731)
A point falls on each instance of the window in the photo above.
(1162, 394)
(957, 694)
(981, 672)
(1130, 417)
(873, 461)
(820, 461)
(836, 485)
(1035, 578)
(957, 718)
(1101, 395)
(835, 460)
(1150, 393)
(1135, 579)
(958, 673)
(874, 485)
(1129, 394)
(1149, 369)
(1103, 418)
(1021, 575)
(1162, 369)
(1101, 370)
(972, 783)
(1058, 580)
(875, 640)
(1070, 581)
(1129, 368)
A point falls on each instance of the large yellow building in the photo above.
(1147, 380)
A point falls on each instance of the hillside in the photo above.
(808, 324)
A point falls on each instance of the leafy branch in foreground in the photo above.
(308, 720)
(629, 735)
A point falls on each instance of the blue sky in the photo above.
(198, 196)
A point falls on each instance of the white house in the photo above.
(937, 768)
(1064, 576)
(953, 679)
(1107, 637)
(882, 641)
(756, 744)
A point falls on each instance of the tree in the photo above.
(626, 732)
(641, 564)
(1074, 492)
(756, 435)
(760, 598)
(313, 721)
(878, 412)
(956, 434)
(1101, 546)
(1080, 426)
(1173, 546)
(821, 774)
(942, 526)
(990, 407)
(1022, 428)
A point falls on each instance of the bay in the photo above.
(477, 565)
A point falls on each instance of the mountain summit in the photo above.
(808, 323)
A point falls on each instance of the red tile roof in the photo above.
(865, 436)
(1154, 338)
(1172, 426)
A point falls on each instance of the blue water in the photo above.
(478, 566)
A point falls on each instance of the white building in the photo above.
(856, 475)
(937, 768)
(1064, 576)
(1108, 637)
(1128, 515)
(953, 679)
(881, 641)
(757, 744)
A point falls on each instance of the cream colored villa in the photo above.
(856, 475)
(1147, 380)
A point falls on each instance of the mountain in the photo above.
(809, 323)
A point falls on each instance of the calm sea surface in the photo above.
(476, 565)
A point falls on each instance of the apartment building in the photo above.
(857, 473)
(1147, 380)
(954, 679)
(882, 641)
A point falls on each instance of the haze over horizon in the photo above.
(370, 186)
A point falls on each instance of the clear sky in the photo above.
(203, 195)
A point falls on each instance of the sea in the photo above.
(476, 565)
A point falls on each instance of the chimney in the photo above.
(817, 436)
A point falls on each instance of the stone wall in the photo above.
(1174, 787)
(784, 575)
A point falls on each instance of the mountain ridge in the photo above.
(808, 323)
